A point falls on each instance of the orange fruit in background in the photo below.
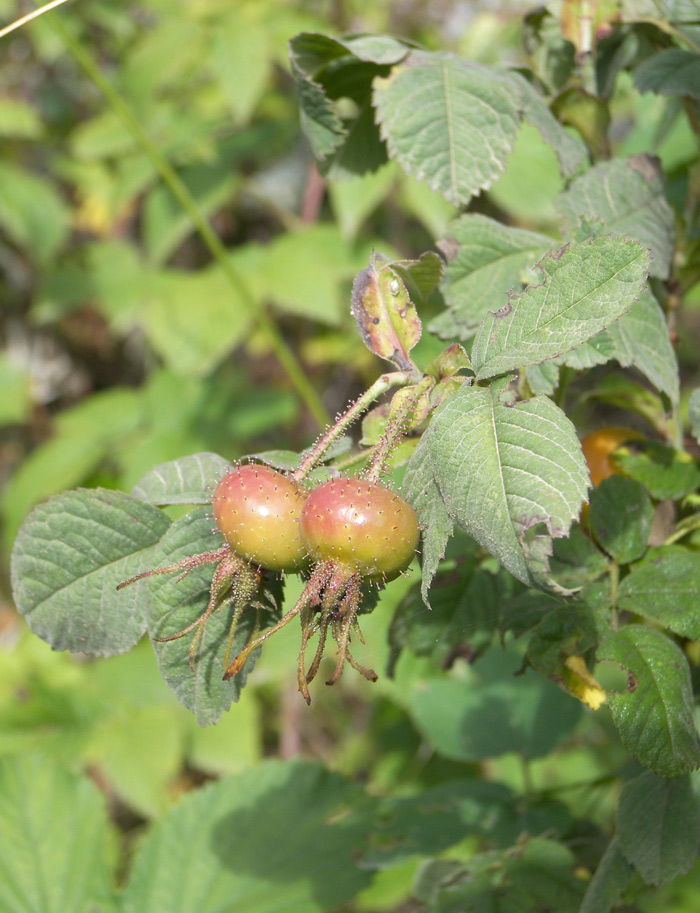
(599, 445)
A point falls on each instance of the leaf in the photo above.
(193, 338)
(641, 340)
(672, 71)
(570, 151)
(658, 826)
(56, 845)
(449, 122)
(620, 517)
(628, 196)
(175, 602)
(610, 879)
(69, 556)
(665, 587)
(584, 288)
(386, 317)
(240, 57)
(662, 470)
(421, 490)
(485, 261)
(491, 712)
(655, 714)
(32, 212)
(224, 846)
(15, 392)
(507, 471)
(19, 119)
(189, 480)
(694, 413)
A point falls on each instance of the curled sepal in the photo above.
(385, 315)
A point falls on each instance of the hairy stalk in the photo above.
(381, 385)
(186, 565)
(395, 429)
(178, 188)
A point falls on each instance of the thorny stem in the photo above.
(381, 385)
(216, 247)
(395, 428)
(188, 564)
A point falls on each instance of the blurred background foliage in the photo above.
(125, 345)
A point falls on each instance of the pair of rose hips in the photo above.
(341, 534)
(269, 519)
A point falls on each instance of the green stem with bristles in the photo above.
(178, 188)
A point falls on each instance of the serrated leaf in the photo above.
(620, 517)
(189, 480)
(223, 847)
(55, 841)
(175, 602)
(584, 288)
(506, 469)
(69, 557)
(658, 826)
(485, 261)
(570, 151)
(672, 71)
(320, 122)
(386, 317)
(627, 195)
(665, 587)
(421, 490)
(641, 340)
(449, 122)
(654, 715)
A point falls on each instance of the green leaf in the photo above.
(449, 122)
(576, 561)
(655, 714)
(570, 151)
(251, 842)
(488, 711)
(175, 602)
(56, 845)
(386, 317)
(584, 288)
(240, 58)
(627, 195)
(189, 480)
(15, 394)
(658, 826)
(69, 556)
(32, 212)
(641, 340)
(672, 71)
(19, 119)
(485, 261)
(610, 879)
(665, 587)
(662, 470)
(193, 319)
(694, 413)
(507, 471)
(421, 490)
(620, 517)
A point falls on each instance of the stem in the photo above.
(614, 572)
(178, 188)
(381, 385)
(394, 429)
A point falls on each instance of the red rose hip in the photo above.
(361, 525)
(258, 510)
